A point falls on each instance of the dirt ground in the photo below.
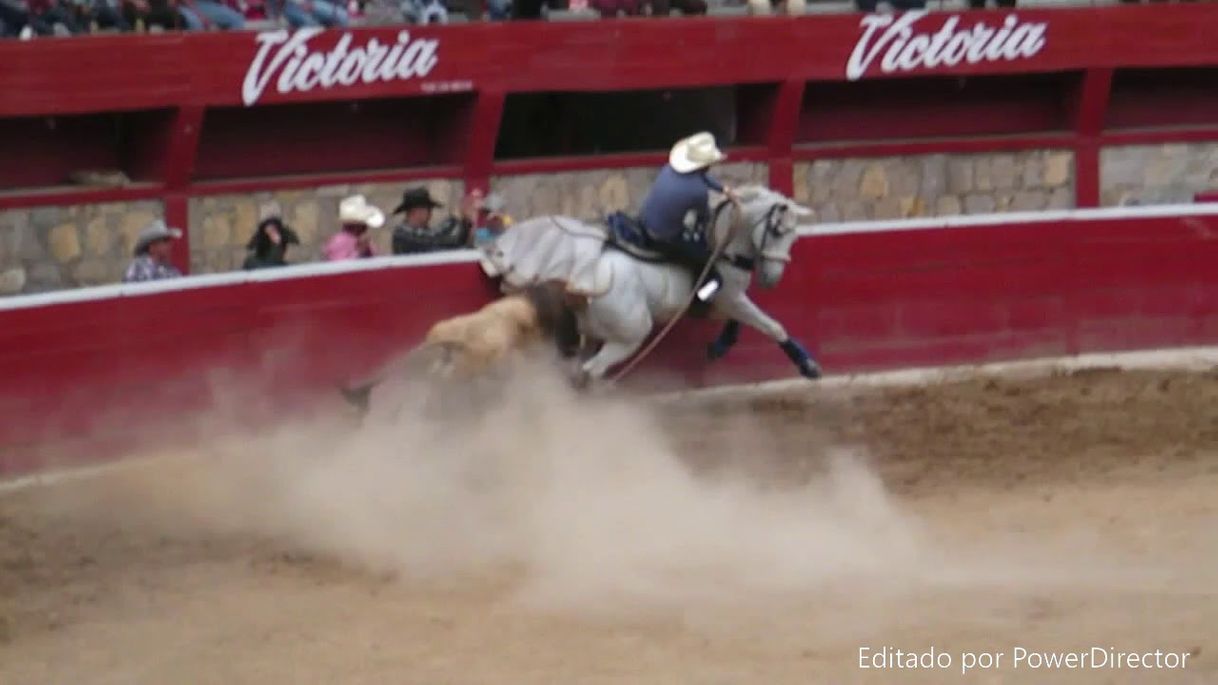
(760, 540)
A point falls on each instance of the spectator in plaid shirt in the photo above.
(152, 252)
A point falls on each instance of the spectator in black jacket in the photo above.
(269, 245)
(415, 234)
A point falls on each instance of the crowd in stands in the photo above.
(480, 219)
(29, 18)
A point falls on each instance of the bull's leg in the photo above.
(740, 307)
(726, 340)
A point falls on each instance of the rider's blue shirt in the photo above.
(672, 196)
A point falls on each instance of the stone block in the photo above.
(1033, 172)
(933, 176)
(613, 194)
(846, 182)
(46, 217)
(304, 219)
(12, 281)
(904, 176)
(887, 208)
(948, 205)
(95, 272)
(983, 179)
(217, 231)
(828, 213)
(959, 175)
(1029, 200)
(979, 204)
(1004, 172)
(873, 184)
(43, 277)
(853, 210)
(100, 237)
(245, 218)
(1061, 198)
(64, 243)
(1058, 168)
(801, 182)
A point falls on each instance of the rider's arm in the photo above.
(712, 183)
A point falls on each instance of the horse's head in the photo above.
(770, 227)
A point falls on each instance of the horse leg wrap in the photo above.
(727, 338)
(808, 368)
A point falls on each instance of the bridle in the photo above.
(773, 221)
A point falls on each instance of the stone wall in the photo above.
(935, 185)
(51, 248)
(220, 226)
(1157, 174)
(592, 194)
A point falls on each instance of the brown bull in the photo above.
(469, 346)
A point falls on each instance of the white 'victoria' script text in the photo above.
(907, 50)
(303, 70)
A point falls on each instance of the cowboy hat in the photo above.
(157, 230)
(356, 210)
(416, 197)
(695, 152)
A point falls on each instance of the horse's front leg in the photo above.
(740, 308)
(725, 342)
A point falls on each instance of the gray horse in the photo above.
(625, 295)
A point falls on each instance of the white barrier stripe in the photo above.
(471, 256)
(1183, 359)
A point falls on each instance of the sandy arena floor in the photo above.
(755, 540)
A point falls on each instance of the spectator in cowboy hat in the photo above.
(356, 217)
(153, 249)
(416, 235)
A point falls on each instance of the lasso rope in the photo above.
(737, 221)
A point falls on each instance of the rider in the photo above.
(675, 214)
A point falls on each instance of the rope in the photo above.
(737, 220)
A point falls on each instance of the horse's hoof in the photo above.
(716, 351)
(810, 370)
(581, 380)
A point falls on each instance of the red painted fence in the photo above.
(108, 370)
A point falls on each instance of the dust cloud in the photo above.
(585, 501)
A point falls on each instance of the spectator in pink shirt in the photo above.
(356, 217)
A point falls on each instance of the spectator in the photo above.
(662, 8)
(415, 235)
(153, 249)
(269, 245)
(352, 242)
(611, 8)
(145, 13)
(798, 7)
(197, 14)
(492, 221)
(14, 19)
(980, 4)
(52, 17)
(425, 11)
(300, 13)
(897, 5)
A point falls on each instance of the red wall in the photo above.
(117, 371)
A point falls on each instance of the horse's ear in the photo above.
(801, 213)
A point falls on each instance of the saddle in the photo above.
(626, 234)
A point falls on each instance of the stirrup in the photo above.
(708, 290)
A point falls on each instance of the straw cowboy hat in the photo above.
(157, 230)
(356, 210)
(695, 152)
